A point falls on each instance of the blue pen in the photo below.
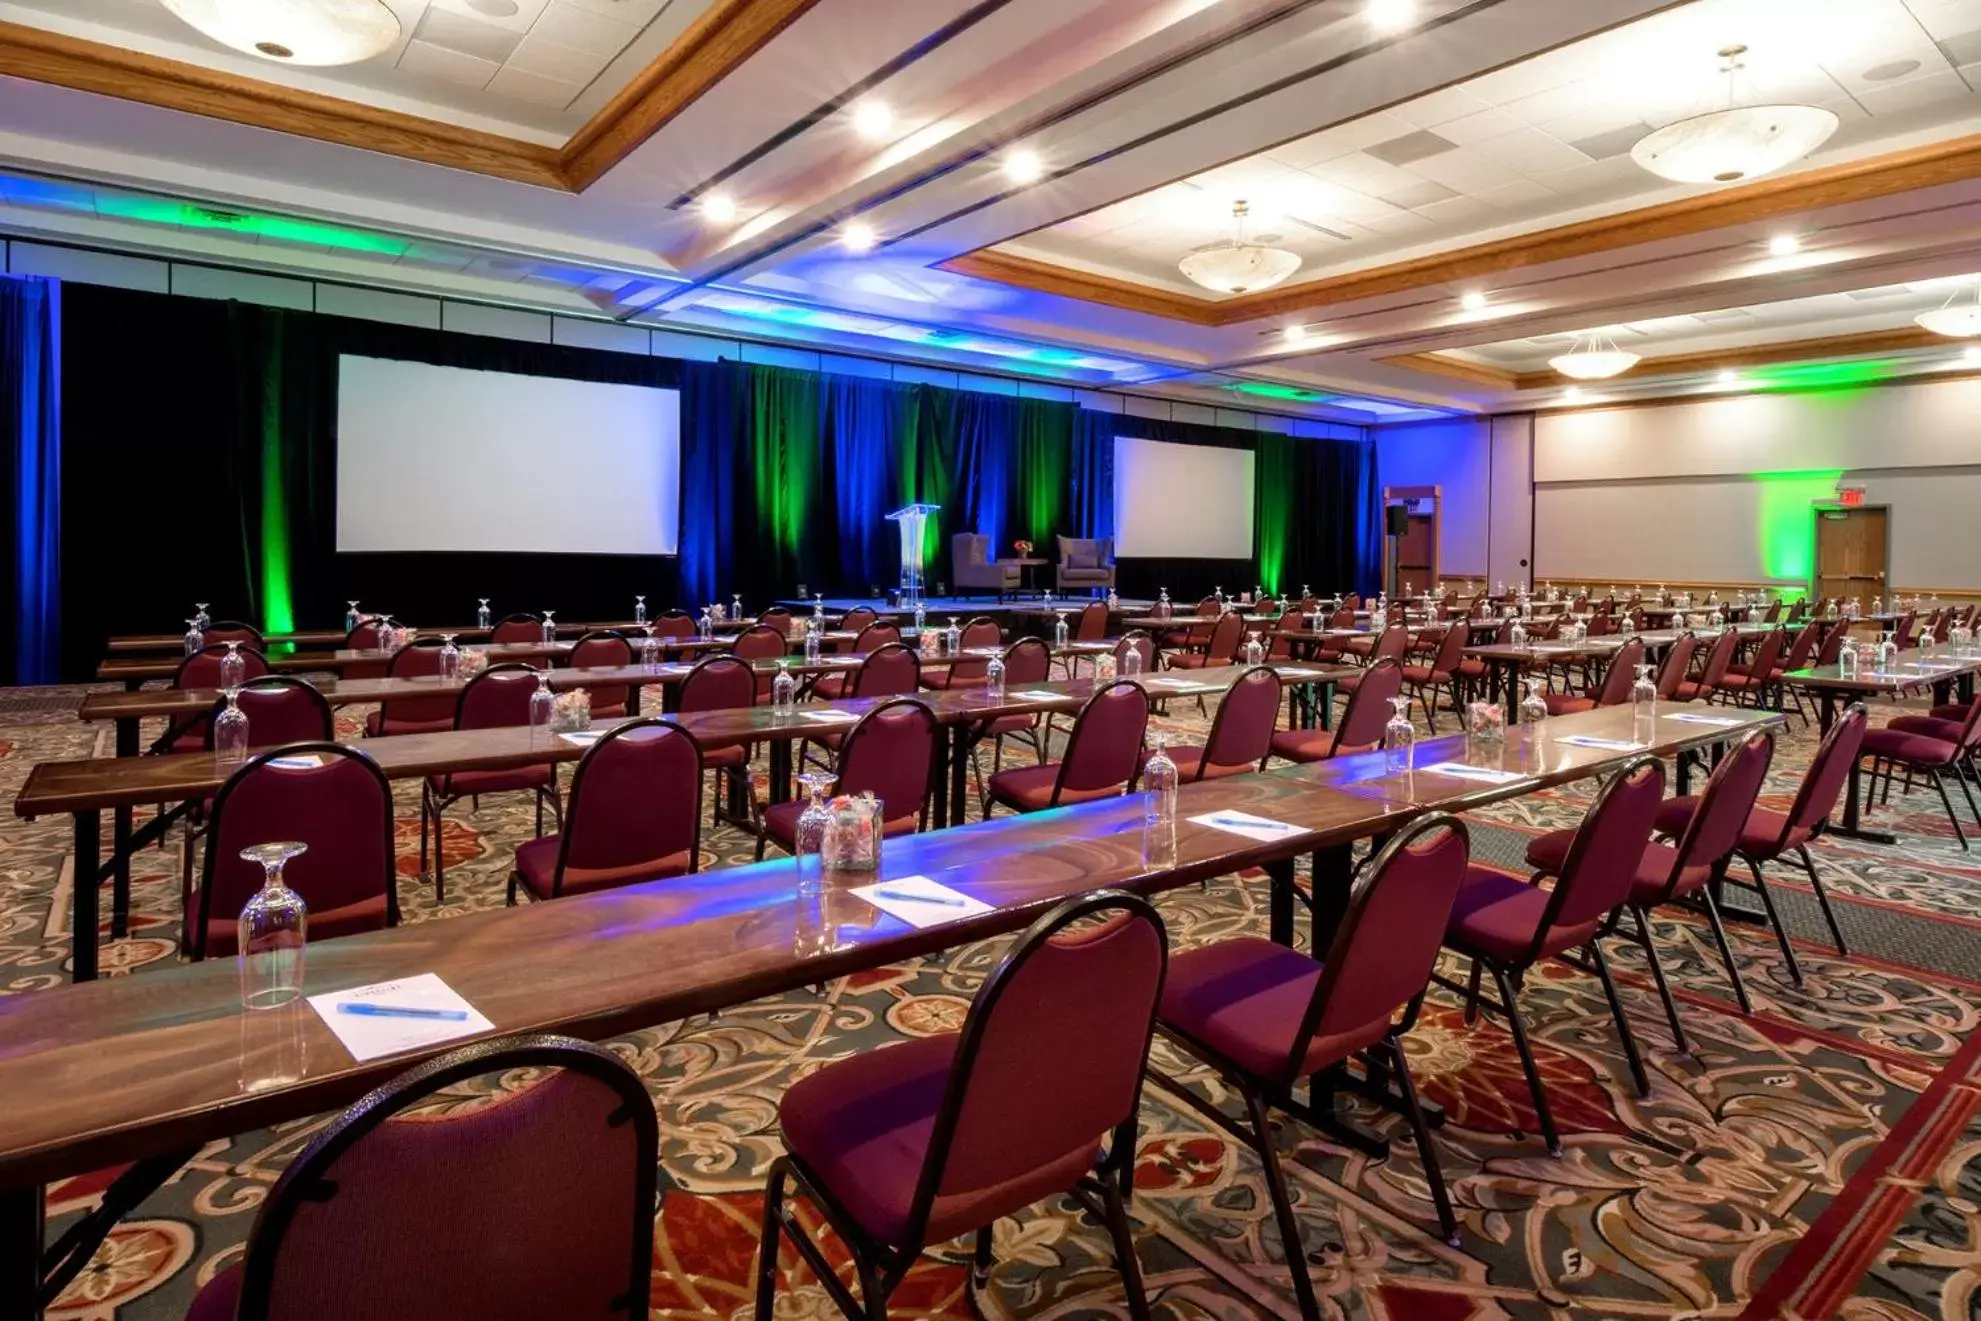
(366, 1009)
(1248, 825)
(919, 898)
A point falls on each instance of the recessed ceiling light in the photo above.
(719, 207)
(1295, 334)
(857, 236)
(1728, 376)
(1971, 354)
(872, 119)
(1023, 166)
(1784, 245)
(324, 33)
(1390, 15)
(1572, 395)
(1472, 301)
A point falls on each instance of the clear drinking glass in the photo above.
(952, 638)
(351, 620)
(783, 689)
(707, 624)
(1517, 635)
(1131, 661)
(543, 707)
(230, 728)
(994, 680)
(814, 642)
(1159, 782)
(195, 639)
(818, 607)
(921, 620)
(450, 658)
(1060, 635)
(1255, 650)
(549, 627)
(1533, 708)
(1644, 706)
(650, 650)
(1888, 652)
(1847, 660)
(813, 822)
(199, 612)
(736, 607)
(1163, 607)
(1399, 738)
(639, 610)
(272, 929)
(481, 612)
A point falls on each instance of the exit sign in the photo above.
(1850, 497)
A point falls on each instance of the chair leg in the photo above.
(1726, 951)
(1527, 1064)
(1775, 921)
(1940, 783)
(771, 1241)
(980, 1260)
(423, 807)
(1289, 1224)
(1122, 1233)
(1623, 1032)
(1658, 976)
(1961, 780)
(439, 858)
(1472, 993)
(1823, 898)
(1426, 1152)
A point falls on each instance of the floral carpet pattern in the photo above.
(1821, 1157)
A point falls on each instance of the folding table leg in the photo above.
(20, 1253)
(83, 895)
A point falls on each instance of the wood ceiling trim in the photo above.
(1834, 185)
(725, 36)
(1458, 369)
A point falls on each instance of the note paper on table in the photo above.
(1458, 770)
(1694, 718)
(921, 902)
(376, 1031)
(1261, 828)
(302, 761)
(1591, 741)
(583, 738)
(1036, 695)
(829, 717)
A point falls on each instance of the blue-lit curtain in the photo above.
(864, 421)
(1091, 474)
(31, 386)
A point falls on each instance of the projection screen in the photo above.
(1182, 501)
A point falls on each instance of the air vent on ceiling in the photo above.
(1889, 291)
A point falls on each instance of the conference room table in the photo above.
(1949, 678)
(173, 782)
(332, 637)
(87, 1091)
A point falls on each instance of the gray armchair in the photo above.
(1086, 564)
(972, 568)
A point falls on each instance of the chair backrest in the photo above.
(1774, 612)
(1106, 740)
(1027, 660)
(1802, 648)
(1902, 631)
(875, 636)
(1767, 653)
(202, 668)
(1242, 733)
(760, 642)
(1389, 936)
(1136, 640)
(1344, 617)
(351, 1227)
(367, 636)
(1714, 827)
(891, 670)
(1822, 784)
(636, 797)
(280, 709)
(1368, 710)
(599, 649)
(675, 624)
(497, 698)
(526, 627)
(1281, 647)
(341, 808)
(1451, 648)
(233, 630)
(1677, 661)
(857, 618)
(1093, 622)
(1352, 602)
(1394, 644)
(1718, 659)
(777, 617)
(1049, 1062)
(1621, 674)
(1207, 608)
(969, 548)
(718, 683)
(979, 632)
(417, 660)
(1835, 634)
(1226, 634)
(891, 753)
(1602, 859)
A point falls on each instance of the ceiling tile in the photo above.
(1439, 107)
(1914, 93)
(1463, 171)
(1963, 49)
(546, 59)
(1616, 142)
(637, 12)
(1479, 127)
(566, 25)
(1410, 147)
(534, 89)
(1946, 18)
(466, 36)
(1515, 192)
(1420, 195)
(437, 62)
(1455, 211)
(515, 15)
(1531, 152)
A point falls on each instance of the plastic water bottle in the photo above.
(921, 618)
(814, 638)
(1131, 661)
(481, 613)
(994, 680)
(543, 706)
(640, 610)
(1399, 738)
(783, 689)
(1159, 780)
(1255, 650)
(230, 729)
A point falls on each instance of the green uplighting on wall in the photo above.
(1267, 390)
(1785, 520)
(1819, 375)
(278, 612)
(283, 229)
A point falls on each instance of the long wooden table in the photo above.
(148, 1068)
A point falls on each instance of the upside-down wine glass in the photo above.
(230, 729)
(810, 834)
(233, 665)
(450, 658)
(271, 932)
(481, 612)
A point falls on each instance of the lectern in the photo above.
(914, 520)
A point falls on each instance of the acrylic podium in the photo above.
(914, 521)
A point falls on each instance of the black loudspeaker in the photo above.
(1399, 519)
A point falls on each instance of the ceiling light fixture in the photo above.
(1295, 334)
(1784, 245)
(1023, 166)
(1956, 319)
(1971, 355)
(1236, 266)
(316, 32)
(1595, 357)
(1572, 395)
(1390, 15)
(872, 120)
(1736, 142)
(1728, 376)
(1472, 301)
(719, 207)
(857, 236)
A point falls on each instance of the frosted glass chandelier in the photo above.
(316, 32)
(1235, 266)
(1736, 142)
(1956, 320)
(1594, 358)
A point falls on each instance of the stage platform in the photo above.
(958, 605)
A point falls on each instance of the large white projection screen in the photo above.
(1183, 501)
(441, 458)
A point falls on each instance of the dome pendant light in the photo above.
(314, 32)
(1736, 143)
(1956, 320)
(1594, 358)
(1235, 266)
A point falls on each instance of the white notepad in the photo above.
(368, 1036)
(921, 902)
(1036, 695)
(583, 738)
(1262, 828)
(1694, 718)
(1460, 771)
(1613, 744)
(302, 761)
(830, 717)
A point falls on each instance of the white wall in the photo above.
(1721, 490)
(1454, 455)
(1510, 539)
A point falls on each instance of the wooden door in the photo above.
(1416, 553)
(1850, 553)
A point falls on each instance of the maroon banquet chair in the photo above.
(202, 670)
(1712, 676)
(413, 715)
(1194, 635)
(1279, 646)
(832, 687)
(760, 642)
(367, 636)
(1361, 725)
(1506, 924)
(1265, 1016)
(855, 621)
(1026, 662)
(1241, 737)
(1102, 757)
(967, 672)
(521, 627)
(1334, 649)
(634, 814)
(1441, 671)
(1614, 689)
(936, 1137)
(890, 753)
(341, 808)
(233, 630)
(1093, 622)
(1931, 755)
(1685, 871)
(1472, 671)
(890, 670)
(1753, 682)
(497, 698)
(602, 649)
(1220, 648)
(677, 625)
(1136, 640)
(1392, 645)
(723, 683)
(547, 1186)
(1677, 661)
(1768, 836)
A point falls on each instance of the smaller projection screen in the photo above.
(446, 459)
(1181, 501)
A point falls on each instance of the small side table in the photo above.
(1025, 568)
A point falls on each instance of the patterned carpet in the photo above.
(1820, 1158)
